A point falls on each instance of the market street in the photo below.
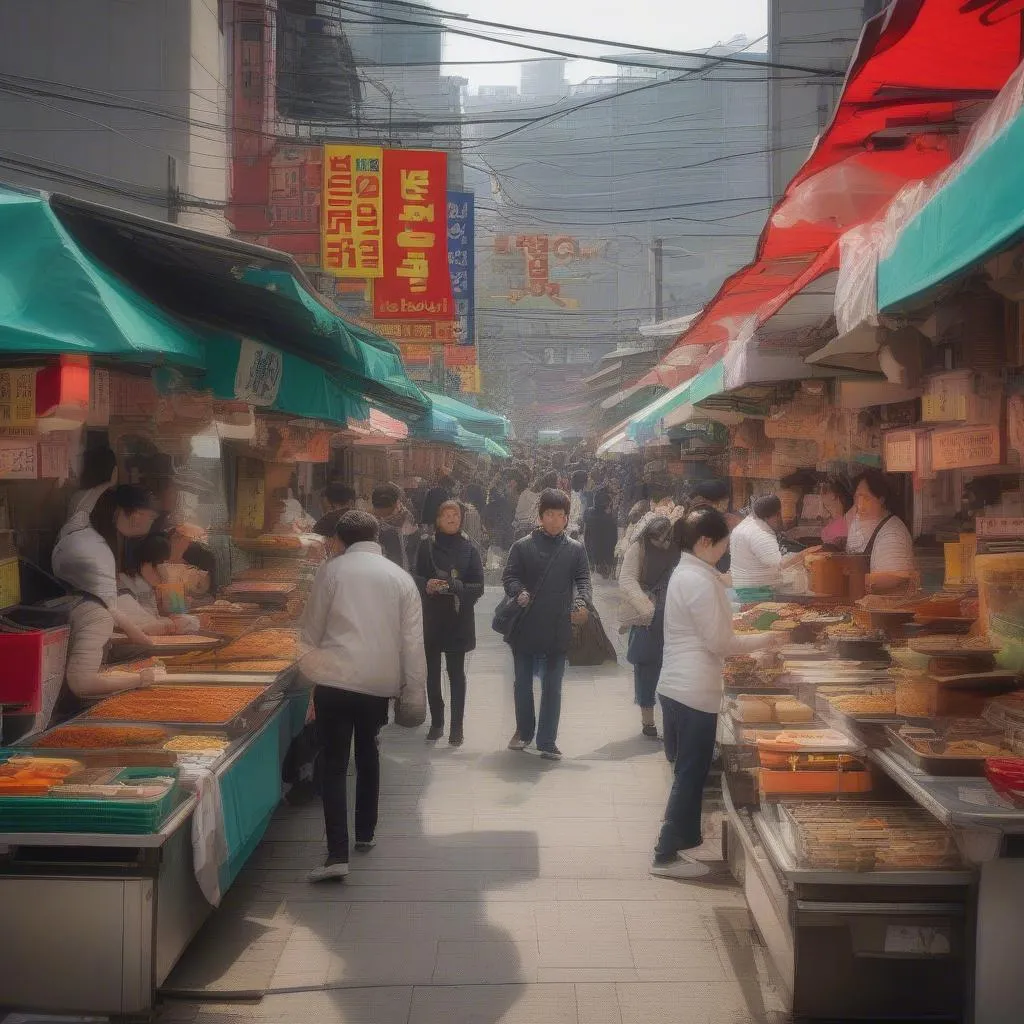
(503, 888)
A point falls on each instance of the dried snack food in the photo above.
(213, 705)
(865, 703)
(88, 737)
(269, 666)
(277, 644)
(188, 743)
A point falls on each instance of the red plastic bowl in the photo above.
(1006, 774)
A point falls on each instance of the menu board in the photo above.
(250, 498)
(966, 447)
(17, 398)
(900, 451)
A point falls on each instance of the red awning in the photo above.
(922, 72)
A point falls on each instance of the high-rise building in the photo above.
(119, 103)
(623, 199)
(810, 34)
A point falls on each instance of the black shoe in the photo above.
(550, 753)
(365, 847)
(436, 732)
(456, 739)
(651, 732)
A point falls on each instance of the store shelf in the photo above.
(965, 803)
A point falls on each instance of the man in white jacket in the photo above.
(363, 638)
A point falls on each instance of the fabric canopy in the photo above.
(918, 69)
(304, 390)
(246, 290)
(480, 421)
(688, 393)
(441, 428)
(975, 214)
(55, 297)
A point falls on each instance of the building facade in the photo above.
(815, 34)
(628, 198)
(118, 103)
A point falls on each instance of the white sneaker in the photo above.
(684, 866)
(516, 743)
(331, 871)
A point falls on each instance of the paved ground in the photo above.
(504, 889)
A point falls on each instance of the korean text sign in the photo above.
(461, 251)
(416, 284)
(351, 211)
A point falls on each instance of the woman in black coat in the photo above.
(450, 575)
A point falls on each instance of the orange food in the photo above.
(84, 737)
(202, 705)
(270, 665)
(276, 644)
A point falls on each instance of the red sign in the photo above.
(435, 332)
(416, 284)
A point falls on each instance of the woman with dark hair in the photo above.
(698, 638)
(643, 583)
(879, 534)
(837, 503)
(84, 559)
(450, 576)
(601, 533)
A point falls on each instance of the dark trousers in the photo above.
(552, 669)
(456, 661)
(342, 716)
(692, 735)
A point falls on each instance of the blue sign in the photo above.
(461, 253)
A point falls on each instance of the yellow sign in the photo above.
(250, 500)
(10, 583)
(350, 216)
(469, 376)
(17, 398)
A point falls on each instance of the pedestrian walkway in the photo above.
(504, 889)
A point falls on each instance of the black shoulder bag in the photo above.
(509, 613)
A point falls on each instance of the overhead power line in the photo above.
(572, 37)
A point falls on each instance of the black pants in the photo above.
(692, 734)
(342, 715)
(457, 677)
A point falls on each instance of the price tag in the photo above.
(10, 583)
(250, 502)
(18, 460)
(17, 398)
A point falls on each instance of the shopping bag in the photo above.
(590, 644)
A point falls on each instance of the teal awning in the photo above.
(56, 297)
(304, 390)
(444, 429)
(644, 423)
(977, 213)
(480, 421)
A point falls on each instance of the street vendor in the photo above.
(837, 504)
(137, 590)
(83, 558)
(757, 558)
(879, 534)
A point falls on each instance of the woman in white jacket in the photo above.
(698, 638)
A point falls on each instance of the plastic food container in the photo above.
(1006, 774)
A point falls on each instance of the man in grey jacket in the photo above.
(363, 645)
(549, 575)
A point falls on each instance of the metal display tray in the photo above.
(242, 722)
(936, 764)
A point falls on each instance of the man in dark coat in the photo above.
(386, 500)
(548, 574)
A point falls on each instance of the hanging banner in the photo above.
(351, 213)
(416, 284)
(461, 250)
(259, 373)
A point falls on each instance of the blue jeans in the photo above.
(692, 733)
(552, 669)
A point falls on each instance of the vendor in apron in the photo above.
(880, 535)
(84, 561)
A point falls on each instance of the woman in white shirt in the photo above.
(698, 638)
(877, 532)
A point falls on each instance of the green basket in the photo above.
(70, 814)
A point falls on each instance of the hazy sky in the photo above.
(671, 24)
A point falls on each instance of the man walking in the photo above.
(363, 629)
(548, 574)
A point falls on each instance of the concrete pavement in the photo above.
(504, 889)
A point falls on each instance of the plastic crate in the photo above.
(34, 664)
(73, 814)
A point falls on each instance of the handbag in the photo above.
(509, 613)
(590, 644)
